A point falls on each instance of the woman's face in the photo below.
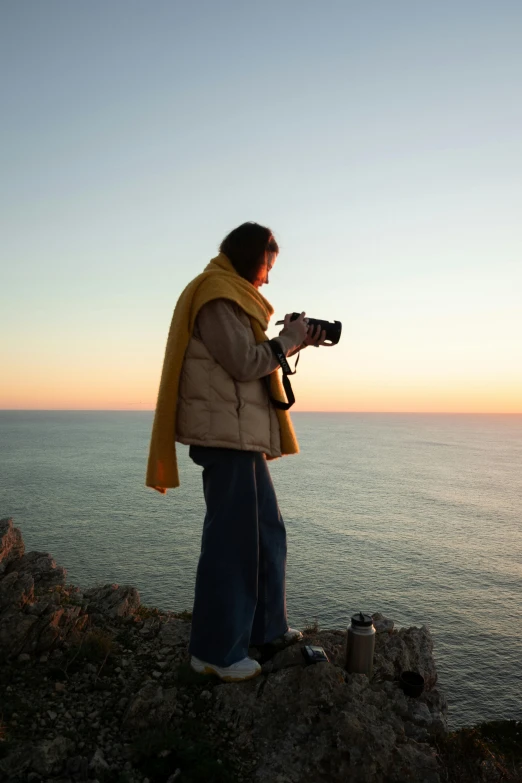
(264, 269)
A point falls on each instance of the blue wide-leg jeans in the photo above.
(240, 597)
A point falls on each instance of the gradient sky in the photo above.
(382, 143)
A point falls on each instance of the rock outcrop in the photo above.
(33, 620)
(12, 546)
(95, 686)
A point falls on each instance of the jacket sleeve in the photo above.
(228, 340)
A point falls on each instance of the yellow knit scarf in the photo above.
(219, 281)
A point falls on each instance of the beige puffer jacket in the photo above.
(227, 408)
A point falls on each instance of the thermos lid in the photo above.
(361, 619)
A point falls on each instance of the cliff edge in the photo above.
(94, 686)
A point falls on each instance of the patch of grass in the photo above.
(144, 612)
(98, 646)
(505, 736)
(159, 752)
(68, 595)
(311, 626)
(64, 595)
(486, 753)
(184, 615)
(95, 647)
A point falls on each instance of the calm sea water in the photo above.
(419, 517)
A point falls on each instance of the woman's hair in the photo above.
(245, 246)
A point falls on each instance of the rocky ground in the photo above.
(94, 686)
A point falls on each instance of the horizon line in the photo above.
(151, 410)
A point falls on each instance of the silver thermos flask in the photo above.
(360, 644)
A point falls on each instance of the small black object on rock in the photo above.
(411, 683)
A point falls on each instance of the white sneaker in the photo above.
(242, 670)
(290, 637)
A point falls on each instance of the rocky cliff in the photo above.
(94, 686)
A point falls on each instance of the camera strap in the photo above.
(287, 386)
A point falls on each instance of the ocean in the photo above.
(415, 516)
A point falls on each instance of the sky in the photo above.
(381, 142)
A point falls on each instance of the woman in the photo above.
(214, 397)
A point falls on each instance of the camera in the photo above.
(332, 329)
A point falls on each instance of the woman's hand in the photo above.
(297, 330)
(315, 336)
